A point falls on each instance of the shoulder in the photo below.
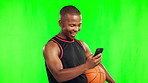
(50, 47)
(86, 48)
(82, 42)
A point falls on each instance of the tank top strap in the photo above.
(61, 49)
(78, 41)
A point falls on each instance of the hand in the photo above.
(93, 61)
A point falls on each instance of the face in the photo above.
(71, 25)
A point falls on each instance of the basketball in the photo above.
(96, 75)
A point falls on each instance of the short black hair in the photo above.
(69, 10)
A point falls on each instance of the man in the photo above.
(67, 58)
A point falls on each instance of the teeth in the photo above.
(73, 34)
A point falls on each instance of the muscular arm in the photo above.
(109, 79)
(88, 52)
(54, 64)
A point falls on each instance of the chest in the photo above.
(73, 55)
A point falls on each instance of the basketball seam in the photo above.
(100, 74)
(94, 77)
(93, 72)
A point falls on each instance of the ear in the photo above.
(60, 23)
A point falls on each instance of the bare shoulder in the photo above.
(50, 48)
(50, 45)
(51, 53)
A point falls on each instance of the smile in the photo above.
(73, 34)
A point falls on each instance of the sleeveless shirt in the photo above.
(72, 54)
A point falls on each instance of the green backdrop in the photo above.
(119, 26)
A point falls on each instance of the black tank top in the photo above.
(72, 54)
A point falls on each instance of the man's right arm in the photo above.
(54, 64)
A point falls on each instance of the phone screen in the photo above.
(98, 50)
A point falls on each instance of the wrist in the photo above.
(85, 67)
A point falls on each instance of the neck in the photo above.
(63, 36)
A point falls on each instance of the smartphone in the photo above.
(98, 50)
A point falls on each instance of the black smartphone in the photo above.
(98, 50)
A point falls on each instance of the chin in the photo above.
(71, 38)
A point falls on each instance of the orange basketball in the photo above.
(96, 75)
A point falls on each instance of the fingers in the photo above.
(93, 61)
(97, 56)
(98, 61)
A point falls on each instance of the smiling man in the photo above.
(70, 25)
(66, 57)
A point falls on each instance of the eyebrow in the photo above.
(75, 24)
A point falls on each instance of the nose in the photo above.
(76, 29)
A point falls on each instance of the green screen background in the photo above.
(119, 26)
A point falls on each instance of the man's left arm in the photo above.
(109, 79)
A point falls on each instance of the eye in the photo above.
(71, 25)
(79, 25)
